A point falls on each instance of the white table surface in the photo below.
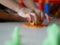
(30, 36)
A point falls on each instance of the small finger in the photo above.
(34, 17)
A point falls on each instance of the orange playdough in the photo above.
(35, 26)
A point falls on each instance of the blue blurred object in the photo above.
(47, 8)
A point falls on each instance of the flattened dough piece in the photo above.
(34, 26)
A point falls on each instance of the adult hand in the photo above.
(29, 14)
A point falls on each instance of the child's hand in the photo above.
(41, 16)
(39, 13)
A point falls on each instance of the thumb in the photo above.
(34, 17)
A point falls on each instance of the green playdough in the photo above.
(53, 35)
(16, 40)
